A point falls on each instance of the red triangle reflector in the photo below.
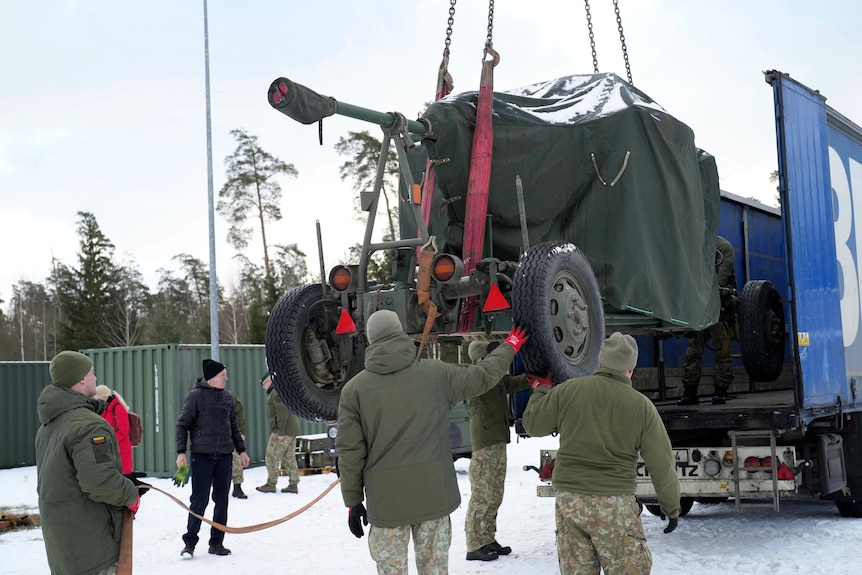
(495, 300)
(345, 324)
(784, 472)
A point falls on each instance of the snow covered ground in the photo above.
(804, 537)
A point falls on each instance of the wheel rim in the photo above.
(570, 317)
(773, 327)
(316, 364)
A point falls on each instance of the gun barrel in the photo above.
(307, 107)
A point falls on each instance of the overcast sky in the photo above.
(102, 103)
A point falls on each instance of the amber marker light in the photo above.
(340, 278)
(446, 268)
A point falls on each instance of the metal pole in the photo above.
(522, 212)
(214, 332)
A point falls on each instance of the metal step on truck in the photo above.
(794, 424)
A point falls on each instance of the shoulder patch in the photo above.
(98, 440)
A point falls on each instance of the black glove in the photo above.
(134, 475)
(671, 525)
(356, 513)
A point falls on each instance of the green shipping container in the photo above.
(155, 379)
(21, 382)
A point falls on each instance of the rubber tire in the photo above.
(711, 500)
(286, 356)
(851, 509)
(556, 300)
(762, 330)
(685, 505)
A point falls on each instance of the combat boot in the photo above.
(266, 488)
(238, 492)
(719, 396)
(689, 397)
(496, 548)
(482, 554)
(291, 488)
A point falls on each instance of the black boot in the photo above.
(482, 555)
(219, 549)
(237, 491)
(496, 548)
(689, 397)
(719, 396)
(188, 550)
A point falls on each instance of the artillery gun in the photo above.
(634, 252)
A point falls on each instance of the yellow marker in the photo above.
(802, 338)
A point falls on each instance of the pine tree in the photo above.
(252, 191)
(84, 294)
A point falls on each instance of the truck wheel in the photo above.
(685, 505)
(556, 299)
(712, 500)
(761, 330)
(851, 509)
(308, 361)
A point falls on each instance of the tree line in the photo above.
(101, 301)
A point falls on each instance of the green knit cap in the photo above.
(476, 349)
(619, 352)
(69, 367)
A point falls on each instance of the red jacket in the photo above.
(118, 417)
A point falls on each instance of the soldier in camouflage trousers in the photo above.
(282, 441)
(604, 424)
(236, 474)
(618, 528)
(393, 444)
(720, 335)
(431, 539)
(489, 434)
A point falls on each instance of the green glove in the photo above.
(181, 477)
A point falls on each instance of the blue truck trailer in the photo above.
(800, 434)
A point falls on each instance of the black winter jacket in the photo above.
(209, 420)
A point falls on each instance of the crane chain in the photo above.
(623, 42)
(449, 24)
(592, 37)
(489, 39)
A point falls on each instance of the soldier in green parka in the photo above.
(604, 423)
(489, 434)
(281, 446)
(393, 444)
(81, 487)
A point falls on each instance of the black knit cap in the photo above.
(212, 368)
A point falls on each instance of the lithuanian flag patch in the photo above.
(99, 440)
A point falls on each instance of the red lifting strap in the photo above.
(479, 181)
(444, 86)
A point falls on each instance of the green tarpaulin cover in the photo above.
(603, 167)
